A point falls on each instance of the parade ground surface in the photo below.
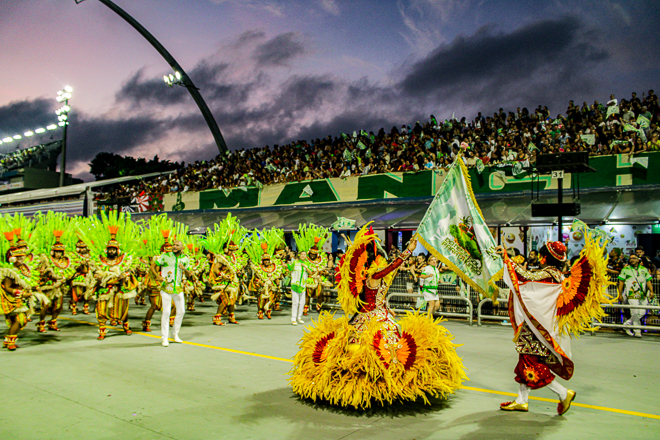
(231, 382)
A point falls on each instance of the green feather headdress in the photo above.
(267, 240)
(229, 230)
(275, 239)
(50, 228)
(253, 247)
(153, 235)
(309, 235)
(100, 230)
(14, 228)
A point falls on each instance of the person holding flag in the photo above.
(453, 230)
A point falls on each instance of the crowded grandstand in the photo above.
(505, 138)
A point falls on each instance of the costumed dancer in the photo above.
(82, 282)
(18, 284)
(55, 268)
(367, 356)
(310, 238)
(300, 270)
(266, 270)
(194, 287)
(226, 243)
(280, 254)
(545, 308)
(116, 284)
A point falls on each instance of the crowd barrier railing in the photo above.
(452, 303)
(618, 309)
(501, 313)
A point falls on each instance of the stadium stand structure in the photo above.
(32, 168)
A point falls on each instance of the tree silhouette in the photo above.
(111, 165)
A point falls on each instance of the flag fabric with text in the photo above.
(453, 229)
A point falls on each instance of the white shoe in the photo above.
(629, 332)
(177, 339)
(294, 323)
(300, 321)
(638, 334)
(165, 343)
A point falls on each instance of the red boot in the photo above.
(126, 329)
(268, 314)
(172, 320)
(10, 342)
(146, 326)
(260, 315)
(41, 326)
(305, 310)
(232, 319)
(217, 320)
(86, 309)
(102, 331)
(52, 325)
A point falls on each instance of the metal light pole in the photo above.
(63, 116)
(185, 79)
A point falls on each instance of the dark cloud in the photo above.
(535, 61)
(300, 93)
(541, 63)
(139, 90)
(18, 117)
(279, 50)
(89, 136)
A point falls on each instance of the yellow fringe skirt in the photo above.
(381, 367)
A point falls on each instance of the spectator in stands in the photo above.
(498, 139)
(532, 262)
(656, 260)
(615, 262)
(429, 280)
(646, 261)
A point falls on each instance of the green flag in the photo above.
(643, 121)
(453, 229)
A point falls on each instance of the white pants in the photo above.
(556, 387)
(297, 304)
(167, 308)
(636, 315)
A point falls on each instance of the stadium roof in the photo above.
(616, 205)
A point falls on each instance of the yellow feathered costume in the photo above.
(371, 357)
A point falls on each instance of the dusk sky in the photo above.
(276, 71)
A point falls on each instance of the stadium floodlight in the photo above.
(61, 123)
(7, 139)
(68, 89)
(17, 136)
(174, 79)
(28, 133)
(39, 130)
(51, 127)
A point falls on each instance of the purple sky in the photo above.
(276, 71)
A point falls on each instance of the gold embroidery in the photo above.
(538, 275)
(527, 343)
